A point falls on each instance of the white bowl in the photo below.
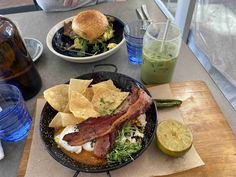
(86, 59)
(34, 47)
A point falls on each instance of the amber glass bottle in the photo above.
(16, 65)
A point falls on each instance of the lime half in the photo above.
(173, 138)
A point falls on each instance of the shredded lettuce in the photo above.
(122, 152)
(79, 43)
(126, 145)
(80, 46)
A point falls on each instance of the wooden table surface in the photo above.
(213, 138)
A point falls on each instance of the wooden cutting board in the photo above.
(213, 138)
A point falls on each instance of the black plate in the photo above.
(60, 40)
(121, 81)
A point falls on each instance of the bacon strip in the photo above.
(129, 100)
(102, 146)
(97, 127)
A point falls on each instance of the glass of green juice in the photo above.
(160, 53)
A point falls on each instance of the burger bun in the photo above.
(90, 24)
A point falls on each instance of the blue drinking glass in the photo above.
(134, 32)
(15, 120)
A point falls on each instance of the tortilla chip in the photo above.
(64, 119)
(79, 85)
(57, 96)
(67, 110)
(105, 101)
(81, 107)
(107, 84)
(89, 93)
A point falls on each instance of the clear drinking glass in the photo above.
(15, 120)
(160, 56)
(133, 33)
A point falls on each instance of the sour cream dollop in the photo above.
(89, 146)
(64, 144)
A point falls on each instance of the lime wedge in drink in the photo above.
(173, 138)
